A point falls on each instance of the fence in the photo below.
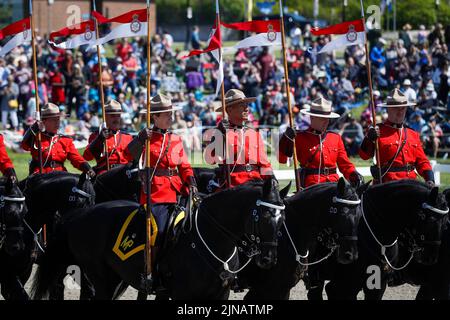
(365, 171)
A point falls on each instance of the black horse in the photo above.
(326, 214)
(12, 239)
(48, 198)
(199, 264)
(434, 279)
(120, 183)
(404, 208)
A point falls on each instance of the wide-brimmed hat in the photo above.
(397, 99)
(113, 107)
(50, 110)
(321, 108)
(235, 97)
(162, 103)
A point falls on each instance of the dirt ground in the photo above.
(405, 292)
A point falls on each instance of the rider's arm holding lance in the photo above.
(30, 135)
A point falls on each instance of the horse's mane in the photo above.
(397, 190)
(252, 186)
(48, 178)
(111, 172)
(404, 183)
(405, 196)
(320, 194)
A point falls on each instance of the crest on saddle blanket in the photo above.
(131, 239)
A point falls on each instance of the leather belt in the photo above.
(49, 164)
(244, 168)
(164, 172)
(324, 171)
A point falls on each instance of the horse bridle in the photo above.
(326, 236)
(413, 247)
(254, 240)
(3, 227)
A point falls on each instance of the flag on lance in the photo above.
(76, 35)
(349, 34)
(213, 46)
(130, 24)
(268, 33)
(20, 33)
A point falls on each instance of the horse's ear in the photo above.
(433, 195)
(284, 192)
(269, 185)
(9, 185)
(363, 188)
(342, 184)
(81, 180)
(447, 196)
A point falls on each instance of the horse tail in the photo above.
(52, 265)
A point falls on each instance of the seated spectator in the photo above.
(352, 135)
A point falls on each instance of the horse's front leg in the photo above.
(13, 290)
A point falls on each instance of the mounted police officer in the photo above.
(56, 148)
(171, 174)
(245, 157)
(401, 151)
(116, 141)
(6, 165)
(319, 151)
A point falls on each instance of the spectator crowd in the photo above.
(417, 63)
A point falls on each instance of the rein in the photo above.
(414, 247)
(332, 247)
(225, 263)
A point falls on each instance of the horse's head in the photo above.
(268, 217)
(12, 214)
(343, 216)
(424, 237)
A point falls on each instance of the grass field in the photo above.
(21, 160)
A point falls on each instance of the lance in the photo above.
(100, 81)
(36, 94)
(38, 108)
(222, 90)
(372, 102)
(148, 233)
(288, 96)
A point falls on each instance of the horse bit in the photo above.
(326, 237)
(252, 237)
(413, 247)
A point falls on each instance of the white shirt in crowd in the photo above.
(411, 94)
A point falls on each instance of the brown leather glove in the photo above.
(373, 133)
(144, 134)
(86, 167)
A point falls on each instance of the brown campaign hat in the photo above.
(113, 107)
(162, 103)
(50, 110)
(321, 108)
(235, 97)
(397, 99)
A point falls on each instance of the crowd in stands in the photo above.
(415, 62)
